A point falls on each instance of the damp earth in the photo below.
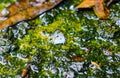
(62, 43)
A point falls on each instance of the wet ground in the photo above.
(62, 43)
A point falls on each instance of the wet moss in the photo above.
(83, 31)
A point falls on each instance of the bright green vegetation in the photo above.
(25, 43)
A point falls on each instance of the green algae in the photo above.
(83, 31)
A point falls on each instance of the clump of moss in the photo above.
(86, 36)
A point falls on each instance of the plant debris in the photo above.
(24, 10)
(98, 6)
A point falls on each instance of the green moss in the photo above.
(82, 30)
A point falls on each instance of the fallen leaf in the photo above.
(98, 6)
(86, 4)
(101, 11)
(25, 10)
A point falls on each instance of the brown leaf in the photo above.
(25, 10)
(98, 6)
(86, 4)
(101, 11)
